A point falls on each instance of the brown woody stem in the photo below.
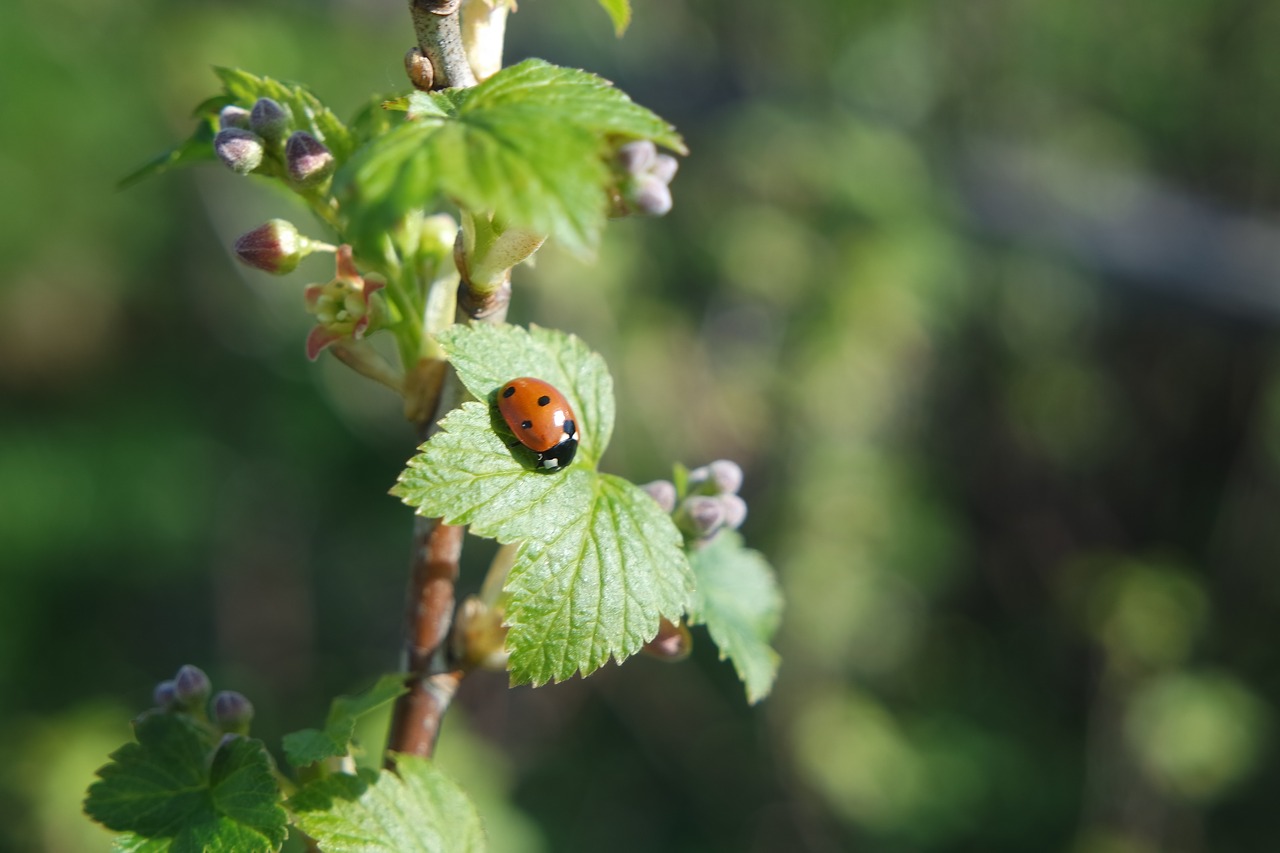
(440, 40)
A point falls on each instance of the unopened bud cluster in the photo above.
(188, 693)
(711, 502)
(259, 140)
(644, 180)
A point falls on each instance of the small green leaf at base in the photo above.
(311, 745)
(166, 792)
(416, 809)
(739, 602)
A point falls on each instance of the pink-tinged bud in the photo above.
(269, 119)
(307, 158)
(637, 157)
(232, 712)
(700, 516)
(241, 150)
(418, 67)
(342, 307)
(649, 197)
(672, 644)
(663, 492)
(735, 511)
(664, 168)
(721, 477)
(233, 116)
(165, 695)
(274, 247)
(191, 686)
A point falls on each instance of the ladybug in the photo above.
(540, 417)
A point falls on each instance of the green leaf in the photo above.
(197, 149)
(311, 745)
(620, 12)
(309, 113)
(595, 587)
(170, 795)
(527, 145)
(739, 602)
(599, 563)
(417, 809)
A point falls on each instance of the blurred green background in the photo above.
(982, 295)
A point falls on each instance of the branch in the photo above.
(440, 40)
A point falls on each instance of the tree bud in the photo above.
(479, 637)
(664, 492)
(650, 196)
(232, 711)
(637, 158)
(165, 695)
(269, 119)
(673, 642)
(191, 685)
(700, 516)
(307, 158)
(274, 247)
(664, 168)
(241, 150)
(735, 511)
(233, 116)
(418, 67)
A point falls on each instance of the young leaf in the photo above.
(417, 809)
(596, 587)
(620, 12)
(739, 602)
(197, 149)
(168, 794)
(526, 145)
(309, 113)
(311, 745)
(600, 563)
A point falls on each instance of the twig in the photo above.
(440, 40)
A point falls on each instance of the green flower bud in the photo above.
(233, 116)
(269, 119)
(232, 711)
(191, 686)
(307, 158)
(663, 492)
(274, 247)
(240, 150)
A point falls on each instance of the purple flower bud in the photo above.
(650, 196)
(721, 477)
(269, 120)
(191, 685)
(637, 157)
(735, 511)
(241, 150)
(664, 168)
(664, 492)
(307, 159)
(232, 712)
(673, 642)
(700, 516)
(275, 247)
(165, 695)
(233, 116)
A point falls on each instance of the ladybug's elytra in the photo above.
(540, 417)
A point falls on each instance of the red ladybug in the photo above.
(540, 417)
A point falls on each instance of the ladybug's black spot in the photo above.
(510, 389)
(570, 428)
(544, 400)
(526, 425)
